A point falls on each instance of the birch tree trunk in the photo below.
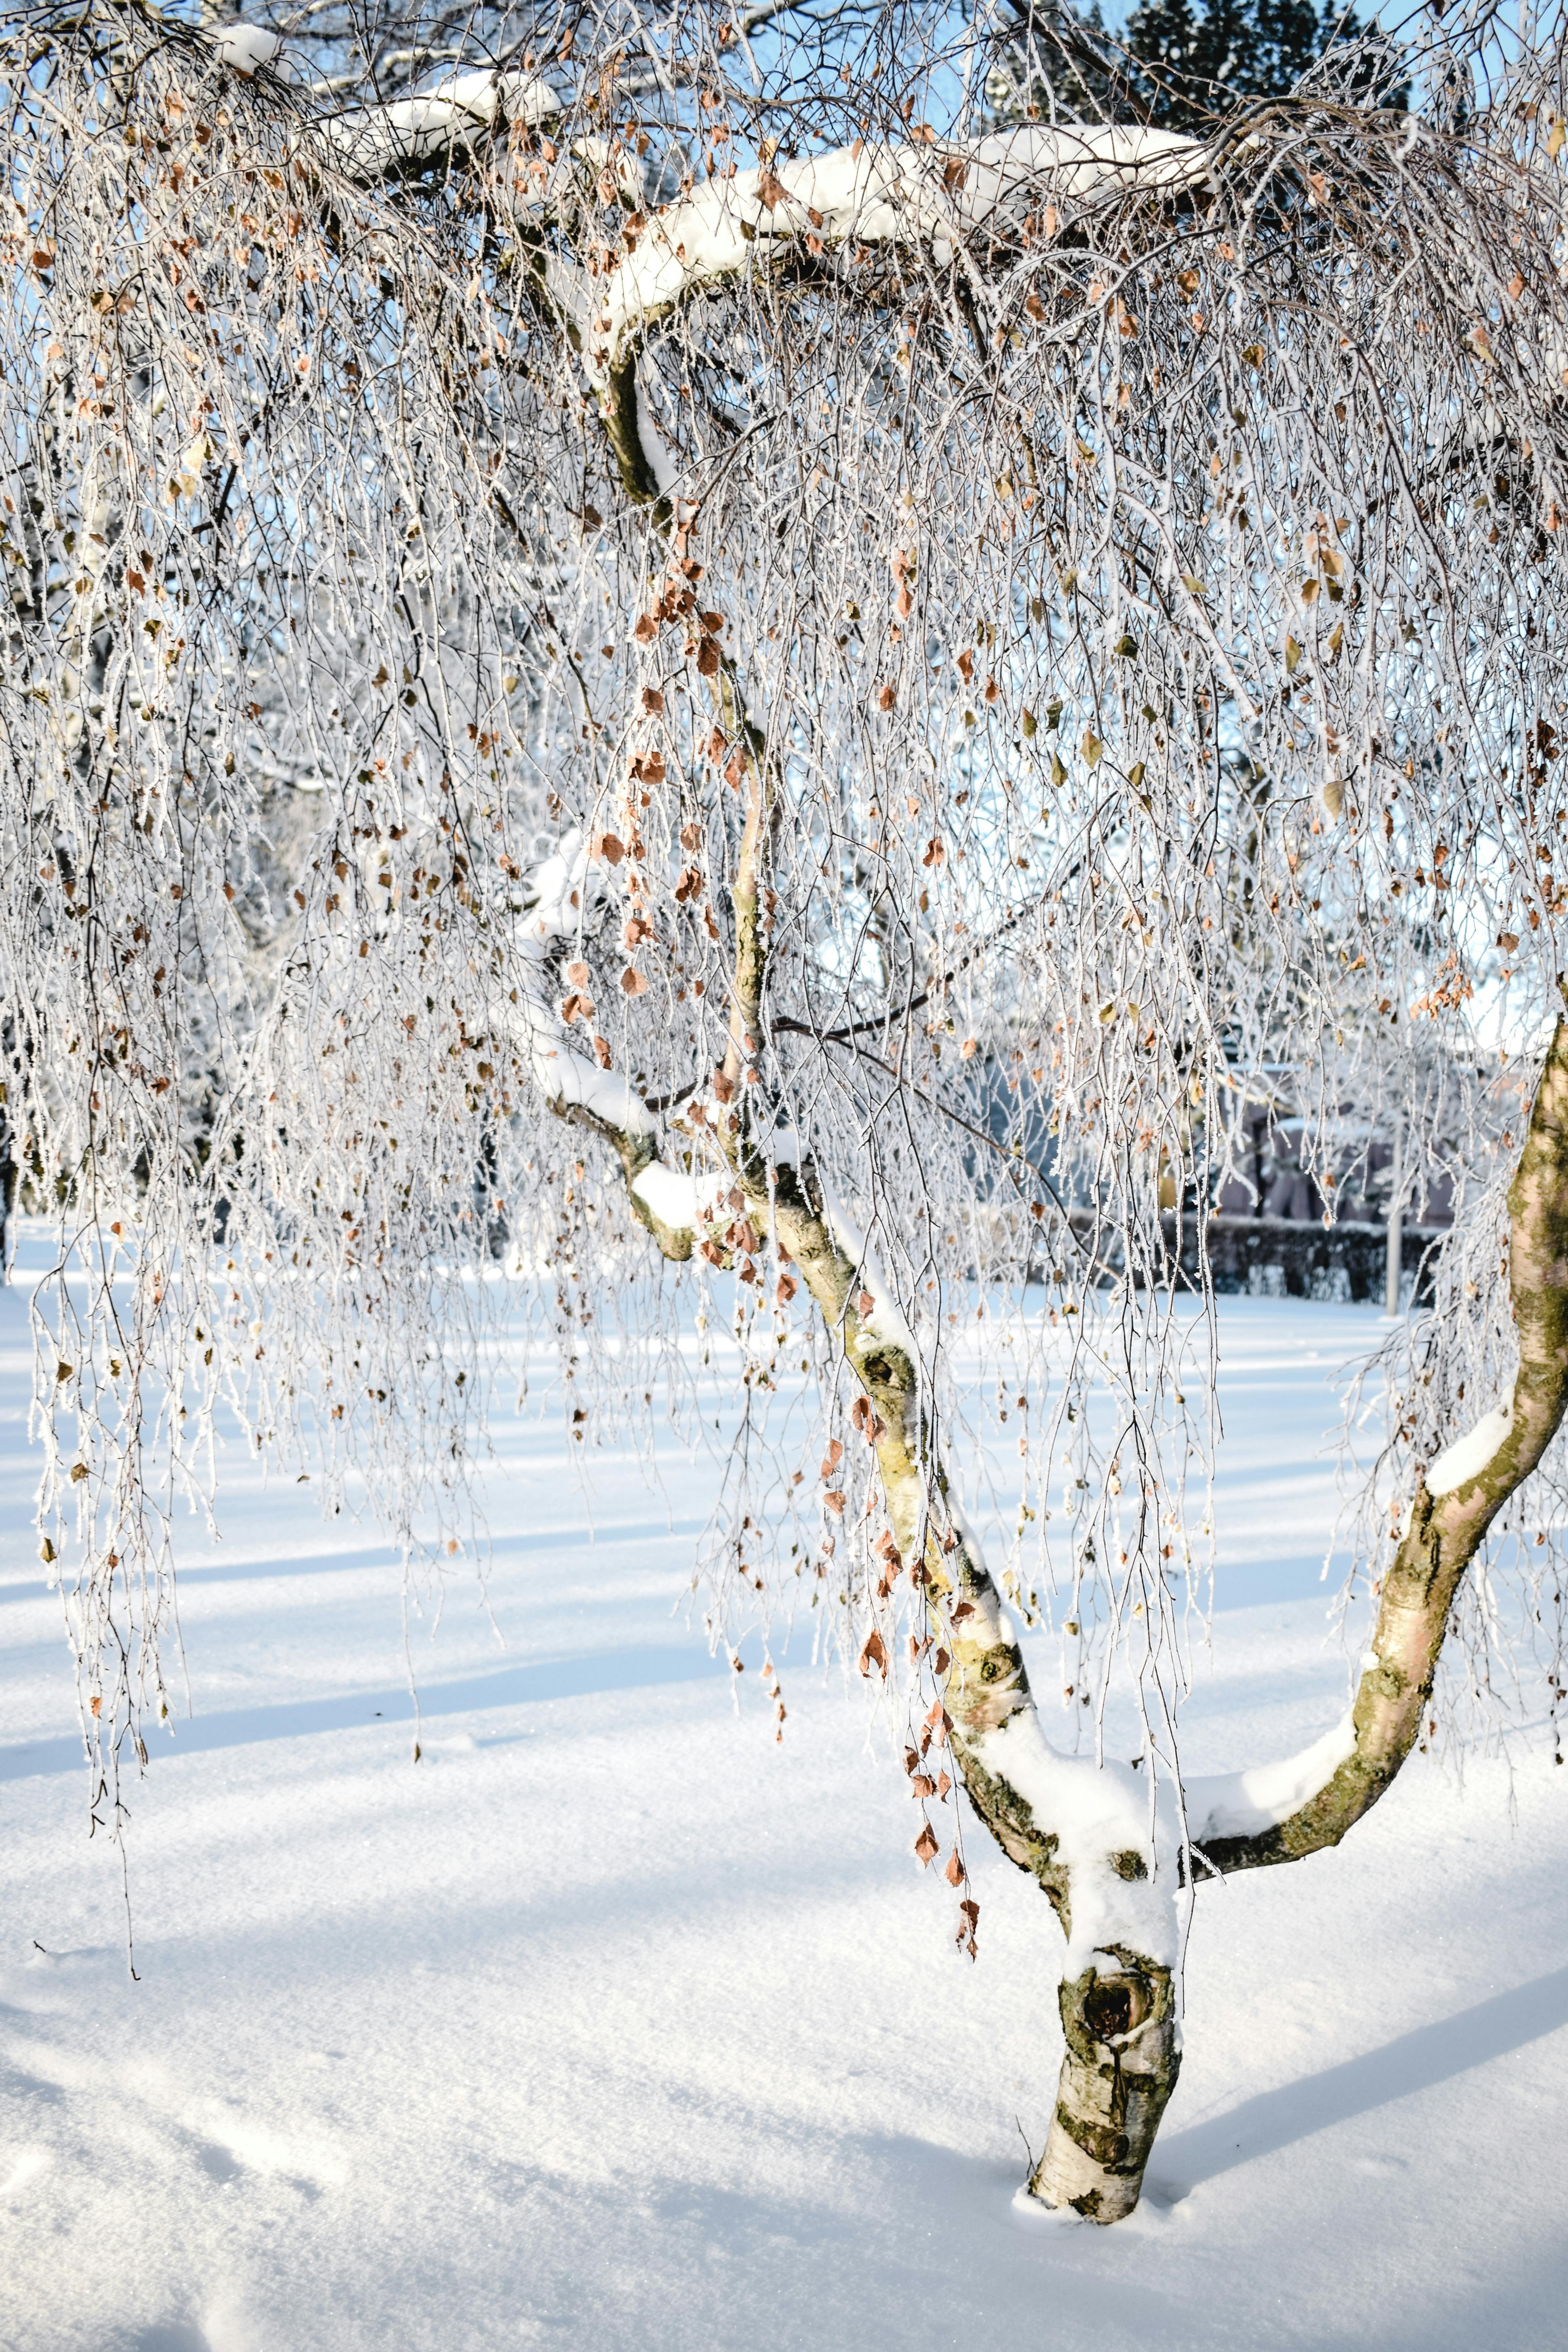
(1083, 1832)
(1088, 1834)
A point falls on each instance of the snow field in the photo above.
(613, 2024)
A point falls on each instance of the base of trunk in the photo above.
(1121, 2068)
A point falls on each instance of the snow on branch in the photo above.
(369, 141)
(244, 48)
(1463, 1462)
(869, 196)
(560, 889)
(558, 900)
(1243, 1804)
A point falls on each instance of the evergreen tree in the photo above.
(1184, 65)
(1191, 65)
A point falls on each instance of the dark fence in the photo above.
(1309, 1256)
(1312, 1260)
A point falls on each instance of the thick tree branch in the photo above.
(1282, 1812)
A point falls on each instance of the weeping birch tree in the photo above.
(670, 649)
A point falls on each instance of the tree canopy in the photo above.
(692, 646)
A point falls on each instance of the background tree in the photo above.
(859, 676)
(1183, 67)
(1194, 64)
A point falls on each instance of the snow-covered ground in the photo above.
(613, 2024)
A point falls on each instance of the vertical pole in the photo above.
(1395, 1205)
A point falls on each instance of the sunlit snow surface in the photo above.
(612, 2024)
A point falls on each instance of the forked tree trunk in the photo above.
(1089, 1846)
(1083, 1831)
(1086, 1832)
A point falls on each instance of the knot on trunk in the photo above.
(1117, 2077)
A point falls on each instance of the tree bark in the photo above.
(1123, 2055)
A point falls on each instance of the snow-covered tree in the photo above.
(648, 647)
